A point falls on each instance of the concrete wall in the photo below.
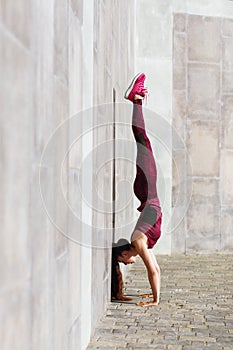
(162, 43)
(58, 59)
(202, 96)
(113, 67)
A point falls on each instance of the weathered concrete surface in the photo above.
(57, 58)
(195, 311)
(202, 105)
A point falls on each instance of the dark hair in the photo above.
(119, 247)
(116, 280)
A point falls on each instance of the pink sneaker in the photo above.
(136, 90)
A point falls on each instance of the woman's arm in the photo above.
(153, 272)
(147, 296)
(157, 269)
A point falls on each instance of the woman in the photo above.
(148, 228)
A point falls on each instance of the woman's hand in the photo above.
(148, 303)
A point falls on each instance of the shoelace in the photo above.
(144, 91)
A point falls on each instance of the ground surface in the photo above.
(195, 311)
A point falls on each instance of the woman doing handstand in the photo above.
(148, 227)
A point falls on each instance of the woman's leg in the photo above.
(146, 176)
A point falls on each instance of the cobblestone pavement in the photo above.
(195, 310)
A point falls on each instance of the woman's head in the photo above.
(121, 252)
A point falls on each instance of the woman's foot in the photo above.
(136, 90)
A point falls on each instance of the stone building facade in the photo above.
(202, 97)
(185, 47)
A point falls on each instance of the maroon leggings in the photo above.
(146, 177)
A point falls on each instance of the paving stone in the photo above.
(174, 347)
(195, 311)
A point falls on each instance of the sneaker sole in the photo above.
(128, 91)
